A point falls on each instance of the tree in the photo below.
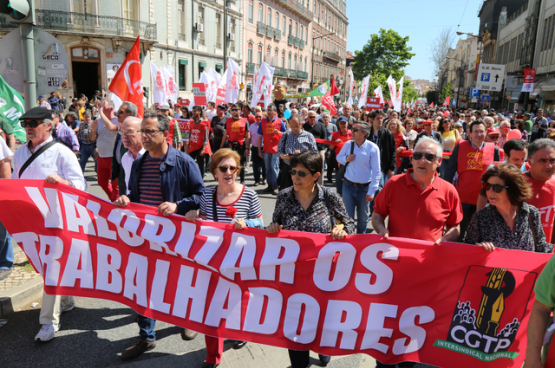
(439, 48)
(386, 53)
(431, 96)
(447, 91)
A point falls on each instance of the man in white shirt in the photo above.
(6, 249)
(104, 131)
(57, 164)
(211, 112)
(131, 139)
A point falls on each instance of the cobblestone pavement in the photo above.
(22, 271)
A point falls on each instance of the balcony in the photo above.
(291, 73)
(280, 72)
(270, 31)
(291, 40)
(250, 68)
(298, 8)
(94, 24)
(302, 75)
(261, 28)
(301, 44)
(332, 56)
(277, 34)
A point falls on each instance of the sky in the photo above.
(421, 20)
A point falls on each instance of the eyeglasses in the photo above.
(120, 112)
(430, 157)
(497, 188)
(258, 117)
(270, 110)
(301, 174)
(31, 124)
(128, 132)
(354, 130)
(149, 132)
(235, 110)
(231, 169)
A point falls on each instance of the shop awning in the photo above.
(202, 64)
(549, 85)
(219, 66)
(183, 62)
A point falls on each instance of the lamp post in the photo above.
(312, 69)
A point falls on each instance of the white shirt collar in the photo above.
(49, 139)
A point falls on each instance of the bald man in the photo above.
(131, 139)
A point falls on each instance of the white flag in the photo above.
(398, 100)
(221, 92)
(232, 82)
(172, 89)
(351, 87)
(378, 92)
(392, 88)
(214, 78)
(263, 86)
(159, 86)
(364, 92)
(208, 82)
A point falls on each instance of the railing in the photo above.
(250, 68)
(91, 23)
(332, 56)
(291, 40)
(291, 73)
(280, 72)
(301, 44)
(270, 31)
(201, 41)
(260, 28)
(515, 15)
(299, 8)
(277, 34)
(182, 37)
(302, 75)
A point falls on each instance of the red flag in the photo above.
(432, 104)
(327, 101)
(334, 90)
(446, 102)
(128, 81)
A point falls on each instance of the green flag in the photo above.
(11, 108)
(316, 92)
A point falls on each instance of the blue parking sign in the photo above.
(474, 92)
(485, 77)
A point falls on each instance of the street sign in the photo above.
(484, 99)
(511, 83)
(474, 92)
(490, 77)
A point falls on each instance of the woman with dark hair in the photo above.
(509, 222)
(521, 125)
(309, 207)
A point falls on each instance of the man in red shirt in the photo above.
(432, 202)
(341, 136)
(269, 131)
(198, 138)
(237, 131)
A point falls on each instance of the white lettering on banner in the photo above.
(375, 329)
(158, 238)
(135, 279)
(158, 288)
(49, 259)
(186, 239)
(461, 335)
(51, 211)
(324, 276)
(79, 254)
(341, 316)
(242, 249)
(214, 239)
(416, 333)
(226, 294)
(286, 263)
(255, 319)
(197, 293)
(77, 215)
(127, 232)
(108, 261)
(309, 321)
(28, 241)
(369, 259)
(546, 215)
(101, 224)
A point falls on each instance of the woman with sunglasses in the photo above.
(508, 222)
(232, 203)
(303, 207)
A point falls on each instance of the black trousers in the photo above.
(240, 149)
(195, 155)
(299, 359)
(468, 211)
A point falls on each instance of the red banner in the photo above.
(199, 92)
(373, 103)
(452, 305)
(528, 83)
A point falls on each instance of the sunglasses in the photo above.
(231, 169)
(430, 157)
(258, 117)
(235, 110)
(354, 130)
(31, 124)
(497, 188)
(120, 112)
(301, 174)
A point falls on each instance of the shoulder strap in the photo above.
(352, 150)
(496, 154)
(533, 230)
(214, 209)
(333, 220)
(34, 156)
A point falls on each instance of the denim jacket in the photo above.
(180, 181)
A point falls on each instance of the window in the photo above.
(269, 17)
(305, 64)
(302, 32)
(182, 75)
(260, 13)
(233, 32)
(289, 61)
(296, 29)
(259, 58)
(277, 20)
(218, 31)
(283, 25)
(283, 59)
(306, 37)
(181, 20)
(251, 11)
(249, 52)
(290, 27)
(295, 63)
(201, 21)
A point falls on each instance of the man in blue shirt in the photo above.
(54, 101)
(362, 174)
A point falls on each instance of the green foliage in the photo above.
(432, 96)
(386, 53)
(409, 93)
(447, 91)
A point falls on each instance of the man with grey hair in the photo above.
(347, 108)
(127, 109)
(488, 120)
(504, 129)
(304, 114)
(56, 164)
(169, 180)
(318, 130)
(362, 174)
(419, 190)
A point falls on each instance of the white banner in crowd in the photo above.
(364, 92)
(221, 92)
(392, 87)
(378, 92)
(398, 99)
(263, 85)
(214, 83)
(232, 81)
(208, 82)
(172, 90)
(351, 87)
(159, 86)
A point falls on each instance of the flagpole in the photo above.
(28, 48)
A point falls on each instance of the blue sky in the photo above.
(421, 20)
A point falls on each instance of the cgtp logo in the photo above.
(489, 311)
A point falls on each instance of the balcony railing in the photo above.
(260, 28)
(291, 40)
(302, 75)
(332, 55)
(280, 72)
(301, 44)
(270, 31)
(296, 6)
(219, 45)
(277, 34)
(250, 68)
(91, 23)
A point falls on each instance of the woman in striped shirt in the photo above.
(228, 202)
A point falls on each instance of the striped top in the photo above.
(150, 191)
(247, 205)
(66, 135)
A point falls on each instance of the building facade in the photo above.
(188, 35)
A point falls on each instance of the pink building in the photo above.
(278, 32)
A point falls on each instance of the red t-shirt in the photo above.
(197, 135)
(544, 201)
(237, 129)
(417, 214)
(271, 139)
(399, 141)
(344, 138)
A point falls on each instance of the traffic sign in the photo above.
(490, 77)
(474, 92)
(484, 99)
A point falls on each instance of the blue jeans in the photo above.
(271, 160)
(146, 326)
(6, 249)
(383, 180)
(356, 197)
(257, 165)
(87, 150)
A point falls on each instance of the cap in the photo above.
(342, 119)
(493, 130)
(429, 121)
(222, 107)
(39, 97)
(37, 113)
(164, 107)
